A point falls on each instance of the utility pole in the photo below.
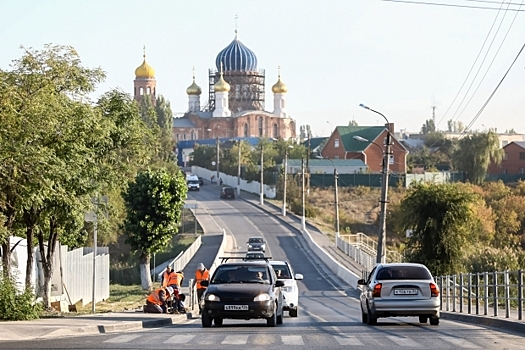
(261, 190)
(303, 217)
(218, 150)
(239, 170)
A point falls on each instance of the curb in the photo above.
(507, 324)
(158, 322)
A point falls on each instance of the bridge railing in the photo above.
(498, 293)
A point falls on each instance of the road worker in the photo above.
(157, 301)
(201, 274)
(166, 276)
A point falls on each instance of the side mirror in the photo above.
(361, 282)
(205, 283)
(298, 276)
(279, 283)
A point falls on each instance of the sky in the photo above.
(404, 59)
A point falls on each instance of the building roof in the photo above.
(328, 163)
(347, 134)
(314, 142)
(519, 143)
(236, 57)
(183, 123)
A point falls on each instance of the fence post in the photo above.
(447, 281)
(477, 293)
(486, 293)
(440, 294)
(461, 293)
(507, 293)
(495, 292)
(454, 285)
(469, 297)
(520, 295)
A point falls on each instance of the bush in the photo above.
(15, 306)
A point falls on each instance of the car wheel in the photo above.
(218, 321)
(272, 321)
(423, 319)
(434, 320)
(206, 321)
(364, 317)
(293, 312)
(371, 320)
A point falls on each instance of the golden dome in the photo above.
(221, 85)
(145, 70)
(279, 87)
(194, 89)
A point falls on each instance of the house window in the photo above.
(505, 156)
(245, 128)
(177, 137)
(522, 155)
(503, 171)
(336, 143)
(336, 157)
(260, 126)
(522, 171)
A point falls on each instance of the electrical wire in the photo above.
(452, 5)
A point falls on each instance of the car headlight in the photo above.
(262, 297)
(212, 297)
(250, 246)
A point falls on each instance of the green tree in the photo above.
(428, 127)
(440, 217)
(352, 123)
(474, 153)
(154, 204)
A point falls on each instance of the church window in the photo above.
(184, 136)
(177, 137)
(148, 91)
(275, 135)
(141, 91)
(245, 129)
(260, 126)
(193, 135)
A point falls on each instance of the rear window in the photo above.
(255, 240)
(403, 273)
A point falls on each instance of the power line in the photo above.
(455, 5)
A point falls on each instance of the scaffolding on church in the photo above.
(246, 90)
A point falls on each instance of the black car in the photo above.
(201, 181)
(227, 192)
(243, 290)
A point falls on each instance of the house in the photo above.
(513, 160)
(342, 144)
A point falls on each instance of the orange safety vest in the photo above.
(201, 276)
(173, 278)
(154, 297)
(165, 278)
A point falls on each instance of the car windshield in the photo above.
(193, 182)
(241, 274)
(282, 272)
(403, 273)
(255, 240)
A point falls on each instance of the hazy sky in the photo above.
(398, 58)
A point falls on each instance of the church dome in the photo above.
(279, 87)
(145, 70)
(236, 57)
(221, 85)
(194, 89)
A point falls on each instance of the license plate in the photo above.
(405, 291)
(235, 307)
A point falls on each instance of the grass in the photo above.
(121, 298)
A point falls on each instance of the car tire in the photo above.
(218, 321)
(272, 321)
(423, 319)
(364, 317)
(293, 312)
(206, 321)
(371, 320)
(434, 320)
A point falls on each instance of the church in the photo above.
(235, 107)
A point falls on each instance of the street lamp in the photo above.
(330, 127)
(239, 169)
(285, 171)
(381, 246)
(261, 194)
(303, 217)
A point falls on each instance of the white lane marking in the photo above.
(347, 340)
(235, 339)
(292, 340)
(402, 341)
(460, 343)
(122, 338)
(180, 339)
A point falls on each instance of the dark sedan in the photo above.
(243, 290)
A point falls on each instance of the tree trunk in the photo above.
(46, 256)
(145, 276)
(6, 258)
(30, 258)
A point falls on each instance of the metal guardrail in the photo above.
(477, 293)
(366, 245)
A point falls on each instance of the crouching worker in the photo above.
(157, 301)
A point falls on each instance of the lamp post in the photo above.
(239, 169)
(218, 153)
(285, 171)
(330, 127)
(261, 194)
(303, 217)
(381, 246)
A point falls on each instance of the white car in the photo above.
(284, 272)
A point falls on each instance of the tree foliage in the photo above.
(439, 217)
(474, 154)
(154, 204)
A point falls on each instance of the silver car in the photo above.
(404, 289)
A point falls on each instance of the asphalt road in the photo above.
(329, 313)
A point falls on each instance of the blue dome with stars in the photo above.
(236, 57)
